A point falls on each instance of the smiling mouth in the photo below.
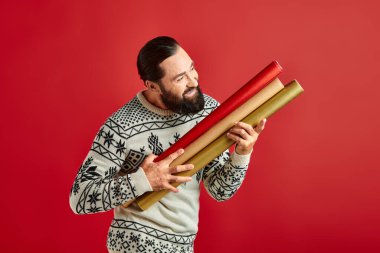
(190, 93)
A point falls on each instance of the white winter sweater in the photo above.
(110, 175)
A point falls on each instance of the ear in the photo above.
(152, 86)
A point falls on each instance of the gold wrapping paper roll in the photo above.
(218, 146)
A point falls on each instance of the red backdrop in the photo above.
(313, 185)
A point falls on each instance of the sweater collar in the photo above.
(151, 107)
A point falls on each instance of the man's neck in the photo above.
(154, 98)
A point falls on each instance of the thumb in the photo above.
(150, 158)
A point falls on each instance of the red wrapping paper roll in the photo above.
(252, 87)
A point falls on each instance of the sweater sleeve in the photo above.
(224, 175)
(100, 184)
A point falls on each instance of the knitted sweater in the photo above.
(110, 175)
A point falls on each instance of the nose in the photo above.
(193, 81)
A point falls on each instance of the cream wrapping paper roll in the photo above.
(218, 146)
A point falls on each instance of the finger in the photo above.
(178, 179)
(260, 127)
(248, 128)
(239, 141)
(150, 158)
(234, 137)
(240, 132)
(181, 168)
(170, 187)
(174, 155)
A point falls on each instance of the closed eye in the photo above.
(179, 79)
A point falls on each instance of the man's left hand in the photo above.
(245, 136)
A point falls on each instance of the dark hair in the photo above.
(152, 54)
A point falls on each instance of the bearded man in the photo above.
(120, 164)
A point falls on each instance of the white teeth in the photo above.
(189, 93)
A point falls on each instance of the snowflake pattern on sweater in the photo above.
(110, 176)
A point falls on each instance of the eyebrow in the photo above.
(180, 74)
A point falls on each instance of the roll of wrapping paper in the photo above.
(241, 96)
(218, 146)
(228, 122)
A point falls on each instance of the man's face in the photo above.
(180, 91)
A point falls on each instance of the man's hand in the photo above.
(245, 136)
(160, 174)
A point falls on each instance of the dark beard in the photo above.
(183, 105)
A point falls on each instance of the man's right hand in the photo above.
(160, 175)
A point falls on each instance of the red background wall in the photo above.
(314, 181)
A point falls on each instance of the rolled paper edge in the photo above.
(218, 146)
